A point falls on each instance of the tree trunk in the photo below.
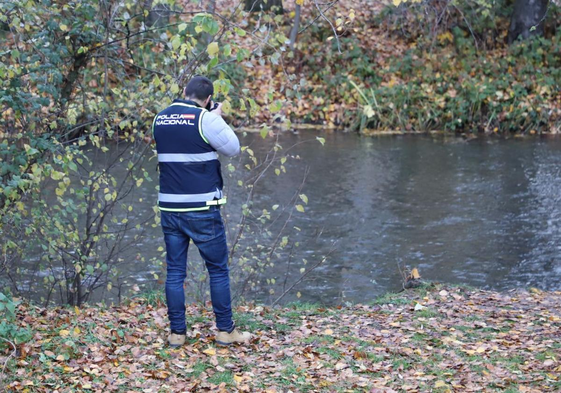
(527, 19)
(295, 27)
(262, 5)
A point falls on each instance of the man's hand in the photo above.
(218, 110)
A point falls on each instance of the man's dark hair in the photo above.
(199, 87)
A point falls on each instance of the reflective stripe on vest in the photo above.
(185, 198)
(180, 157)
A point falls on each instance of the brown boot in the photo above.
(235, 336)
(176, 340)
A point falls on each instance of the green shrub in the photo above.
(9, 330)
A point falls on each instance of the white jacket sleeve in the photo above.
(219, 134)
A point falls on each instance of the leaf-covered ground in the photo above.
(433, 339)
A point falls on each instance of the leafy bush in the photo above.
(8, 327)
(80, 83)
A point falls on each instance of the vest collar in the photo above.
(188, 102)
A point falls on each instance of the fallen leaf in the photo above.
(210, 351)
(340, 366)
(440, 384)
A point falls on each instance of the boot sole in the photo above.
(228, 344)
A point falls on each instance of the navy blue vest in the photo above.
(189, 167)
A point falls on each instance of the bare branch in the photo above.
(306, 273)
(12, 354)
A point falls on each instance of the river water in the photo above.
(483, 212)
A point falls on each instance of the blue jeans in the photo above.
(207, 231)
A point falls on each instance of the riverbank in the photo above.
(437, 338)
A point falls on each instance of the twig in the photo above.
(330, 24)
(295, 198)
(288, 267)
(469, 27)
(8, 358)
(402, 274)
(304, 275)
(330, 5)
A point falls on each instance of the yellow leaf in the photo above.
(226, 107)
(299, 2)
(212, 49)
(447, 36)
(77, 331)
(440, 384)
(328, 332)
(63, 27)
(368, 111)
(210, 351)
(238, 378)
(57, 175)
(64, 333)
(415, 274)
(300, 208)
(396, 2)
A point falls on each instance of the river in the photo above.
(483, 212)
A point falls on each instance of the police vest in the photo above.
(190, 177)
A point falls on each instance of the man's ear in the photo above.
(208, 99)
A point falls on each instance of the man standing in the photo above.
(188, 137)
